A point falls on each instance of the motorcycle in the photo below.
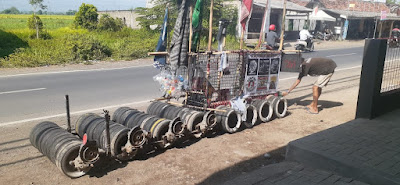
(302, 45)
(394, 42)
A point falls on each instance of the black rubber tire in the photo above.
(68, 153)
(130, 119)
(116, 117)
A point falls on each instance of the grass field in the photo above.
(66, 44)
(51, 22)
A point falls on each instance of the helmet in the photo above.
(272, 27)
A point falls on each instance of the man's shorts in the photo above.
(323, 80)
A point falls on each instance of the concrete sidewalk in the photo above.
(357, 152)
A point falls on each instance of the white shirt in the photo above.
(304, 34)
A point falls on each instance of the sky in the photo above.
(65, 5)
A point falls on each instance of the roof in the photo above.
(278, 4)
(359, 14)
(322, 16)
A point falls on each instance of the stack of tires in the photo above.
(131, 131)
(123, 141)
(196, 122)
(162, 132)
(63, 149)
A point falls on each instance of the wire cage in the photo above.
(216, 78)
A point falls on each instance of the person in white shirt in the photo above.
(306, 36)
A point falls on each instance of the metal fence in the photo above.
(211, 81)
(391, 71)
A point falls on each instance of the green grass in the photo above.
(51, 22)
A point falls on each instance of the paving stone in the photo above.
(346, 179)
(385, 165)
(331, 179)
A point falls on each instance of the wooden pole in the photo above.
(190, 48)
(262, 34)
(380, 29)
(283, 25)
(209, 54)
(391, 28)
(210, 25)
(241, 38)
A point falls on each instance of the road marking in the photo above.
(72, 71)
(19, 91)
(343, 69)
(342, 55)
(72, 113)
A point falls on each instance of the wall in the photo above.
(127, 16)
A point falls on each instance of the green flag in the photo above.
(196, 24)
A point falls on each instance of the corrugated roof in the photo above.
(358, 14)
(278, 4)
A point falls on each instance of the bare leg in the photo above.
(316, 94)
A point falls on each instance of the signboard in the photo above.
(262, 74)
(291, 62)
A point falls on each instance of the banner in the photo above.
(245, 13)
(262, 74)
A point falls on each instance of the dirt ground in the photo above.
(211, 160)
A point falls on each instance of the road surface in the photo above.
(39, 96)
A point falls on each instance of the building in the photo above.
(355, 19)
(127, 16)
(296, 18)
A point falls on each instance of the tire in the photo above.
(264, 110)
(251, 116)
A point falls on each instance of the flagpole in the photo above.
(190, 47)
(241, 27)
(190, 28)
(210, 25)
(283, 25)
(262, 35)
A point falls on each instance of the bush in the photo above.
(71, 48)
(107, 23)
(86, 17)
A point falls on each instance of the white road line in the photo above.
(72, 71)
(342, 55)
(72, 113)
(343, 69)
(19, 91)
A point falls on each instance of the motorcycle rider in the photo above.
(306, 36)
(396, 31)
(272, 37)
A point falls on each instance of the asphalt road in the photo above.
(38, 96)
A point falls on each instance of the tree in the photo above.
(35, 22)
(107, 23)
(35, 5)
(86, 17)
(71, 12)
(392, 2)
(11, 10)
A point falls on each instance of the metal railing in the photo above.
(391, 71)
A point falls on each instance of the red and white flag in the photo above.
(246, 10)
